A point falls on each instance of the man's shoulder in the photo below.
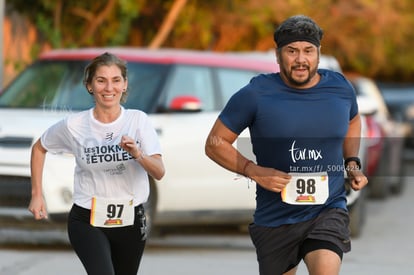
(334, 78)
(264, 81)
(331, 74)
(265, 77)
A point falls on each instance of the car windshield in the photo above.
(58, 85)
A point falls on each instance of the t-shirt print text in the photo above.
(105, 154)
(304, 153)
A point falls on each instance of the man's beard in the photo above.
(293, 82)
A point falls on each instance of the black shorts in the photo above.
(280, 249)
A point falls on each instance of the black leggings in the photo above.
(107, 251)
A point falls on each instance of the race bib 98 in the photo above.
(306, 189)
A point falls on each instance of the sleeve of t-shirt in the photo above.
(240, 110)
(354, 105)
(149, 137)
(57, 138)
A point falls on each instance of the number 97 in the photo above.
(114, 211)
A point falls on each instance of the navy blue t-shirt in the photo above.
(294, 130)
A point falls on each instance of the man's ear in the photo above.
(277, 55)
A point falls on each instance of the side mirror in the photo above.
(185, 103)
(366, 106)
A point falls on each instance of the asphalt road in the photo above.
(385, 247)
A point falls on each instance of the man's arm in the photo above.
(353, 138)
(219, 147)
(351, 149)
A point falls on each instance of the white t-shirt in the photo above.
(103, 169)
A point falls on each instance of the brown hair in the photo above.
(105, 59)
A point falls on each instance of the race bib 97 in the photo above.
(112, 213)
(306, 189)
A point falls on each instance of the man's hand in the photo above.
(268, 178)
(357, 179)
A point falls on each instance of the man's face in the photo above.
(298, 63)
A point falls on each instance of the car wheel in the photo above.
(379, 186)
(398, 167)
(150, 210)
(357, 215)
(397, 186)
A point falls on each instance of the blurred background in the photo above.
(368, 40)
(372, 38)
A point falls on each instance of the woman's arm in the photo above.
(37, 204)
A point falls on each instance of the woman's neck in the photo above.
(106, 115)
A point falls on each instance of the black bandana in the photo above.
(285, 38)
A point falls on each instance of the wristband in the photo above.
(356, 159)
(245, 166)
(141, 157)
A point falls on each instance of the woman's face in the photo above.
(108, 85)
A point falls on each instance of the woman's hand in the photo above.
(38, 208)
(130, 146)
(152, 164)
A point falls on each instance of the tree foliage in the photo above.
(81, 23)
(372, 37)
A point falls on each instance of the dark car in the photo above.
(385, 141)
(399, 98)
